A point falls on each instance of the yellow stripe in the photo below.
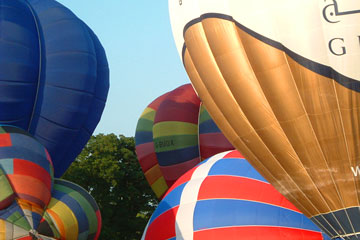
(148, 113)
(159, 187)
(68, 219)
(2, 229)
(174, 128)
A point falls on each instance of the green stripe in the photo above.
(149, 114)
(204, 114)
(170, 143)
(144, 125)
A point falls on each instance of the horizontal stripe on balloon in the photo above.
(177, 156)
(250, 232)
(143, 137)
(233, 187)
(214, 140)
(228, 210)
(173, 172)
(174, 142)
(208, 126)
(178, 111)
(226, 167)
(146, 155)
(184, 179)
(153, 174)
(29, 154)
(159, 187)
(148, 114)
(170, 128)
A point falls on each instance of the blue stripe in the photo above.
(177, 156)
(143, 137)
(20, 152)
(7, 212)
(170, 201)
(75, 208)
(235, 167)
(209, 126)
(217, 213)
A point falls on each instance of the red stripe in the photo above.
(181, 104)
(183, 179)
(156, 103)
(146, 155)
(26, 168)
(234, 154)
(257, 233)
(5, 140)
(163, 227)
(173, 172)
(215, 139)
(98, 217)
(242, 188)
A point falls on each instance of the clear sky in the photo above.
(141, 52)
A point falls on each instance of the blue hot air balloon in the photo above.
(54, 76)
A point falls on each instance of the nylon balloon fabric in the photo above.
(54, 76)
(224, 197)
(71, 214)
(174, 133)
(282, 83)
(26, 174)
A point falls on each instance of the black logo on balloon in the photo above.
(331, 12)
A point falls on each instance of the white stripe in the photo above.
(185, 216)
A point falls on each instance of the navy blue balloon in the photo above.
(54, 76)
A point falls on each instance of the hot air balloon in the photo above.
(281, 80)
(26, 178)
(225, 198)
(32, 206)
(54, 76)
(71, 214)
(174, 133)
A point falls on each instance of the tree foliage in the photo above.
(108, 168)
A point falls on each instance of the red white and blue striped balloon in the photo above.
(224, 197)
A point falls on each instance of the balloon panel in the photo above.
(285, 91)
(71, 214)
(224, 197)
(54, 76)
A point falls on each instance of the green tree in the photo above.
(108, 168)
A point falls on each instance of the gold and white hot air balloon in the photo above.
(281, 80)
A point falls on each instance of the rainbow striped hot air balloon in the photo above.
(71, 214)
(224, 197)
(173, 134)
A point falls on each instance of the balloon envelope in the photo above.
(225, 198)
(281, 80)
(26, 177)
(71, 214)
(182, 135)
(53, 76)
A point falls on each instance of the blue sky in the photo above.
(142, 56)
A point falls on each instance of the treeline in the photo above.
(108, 168)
